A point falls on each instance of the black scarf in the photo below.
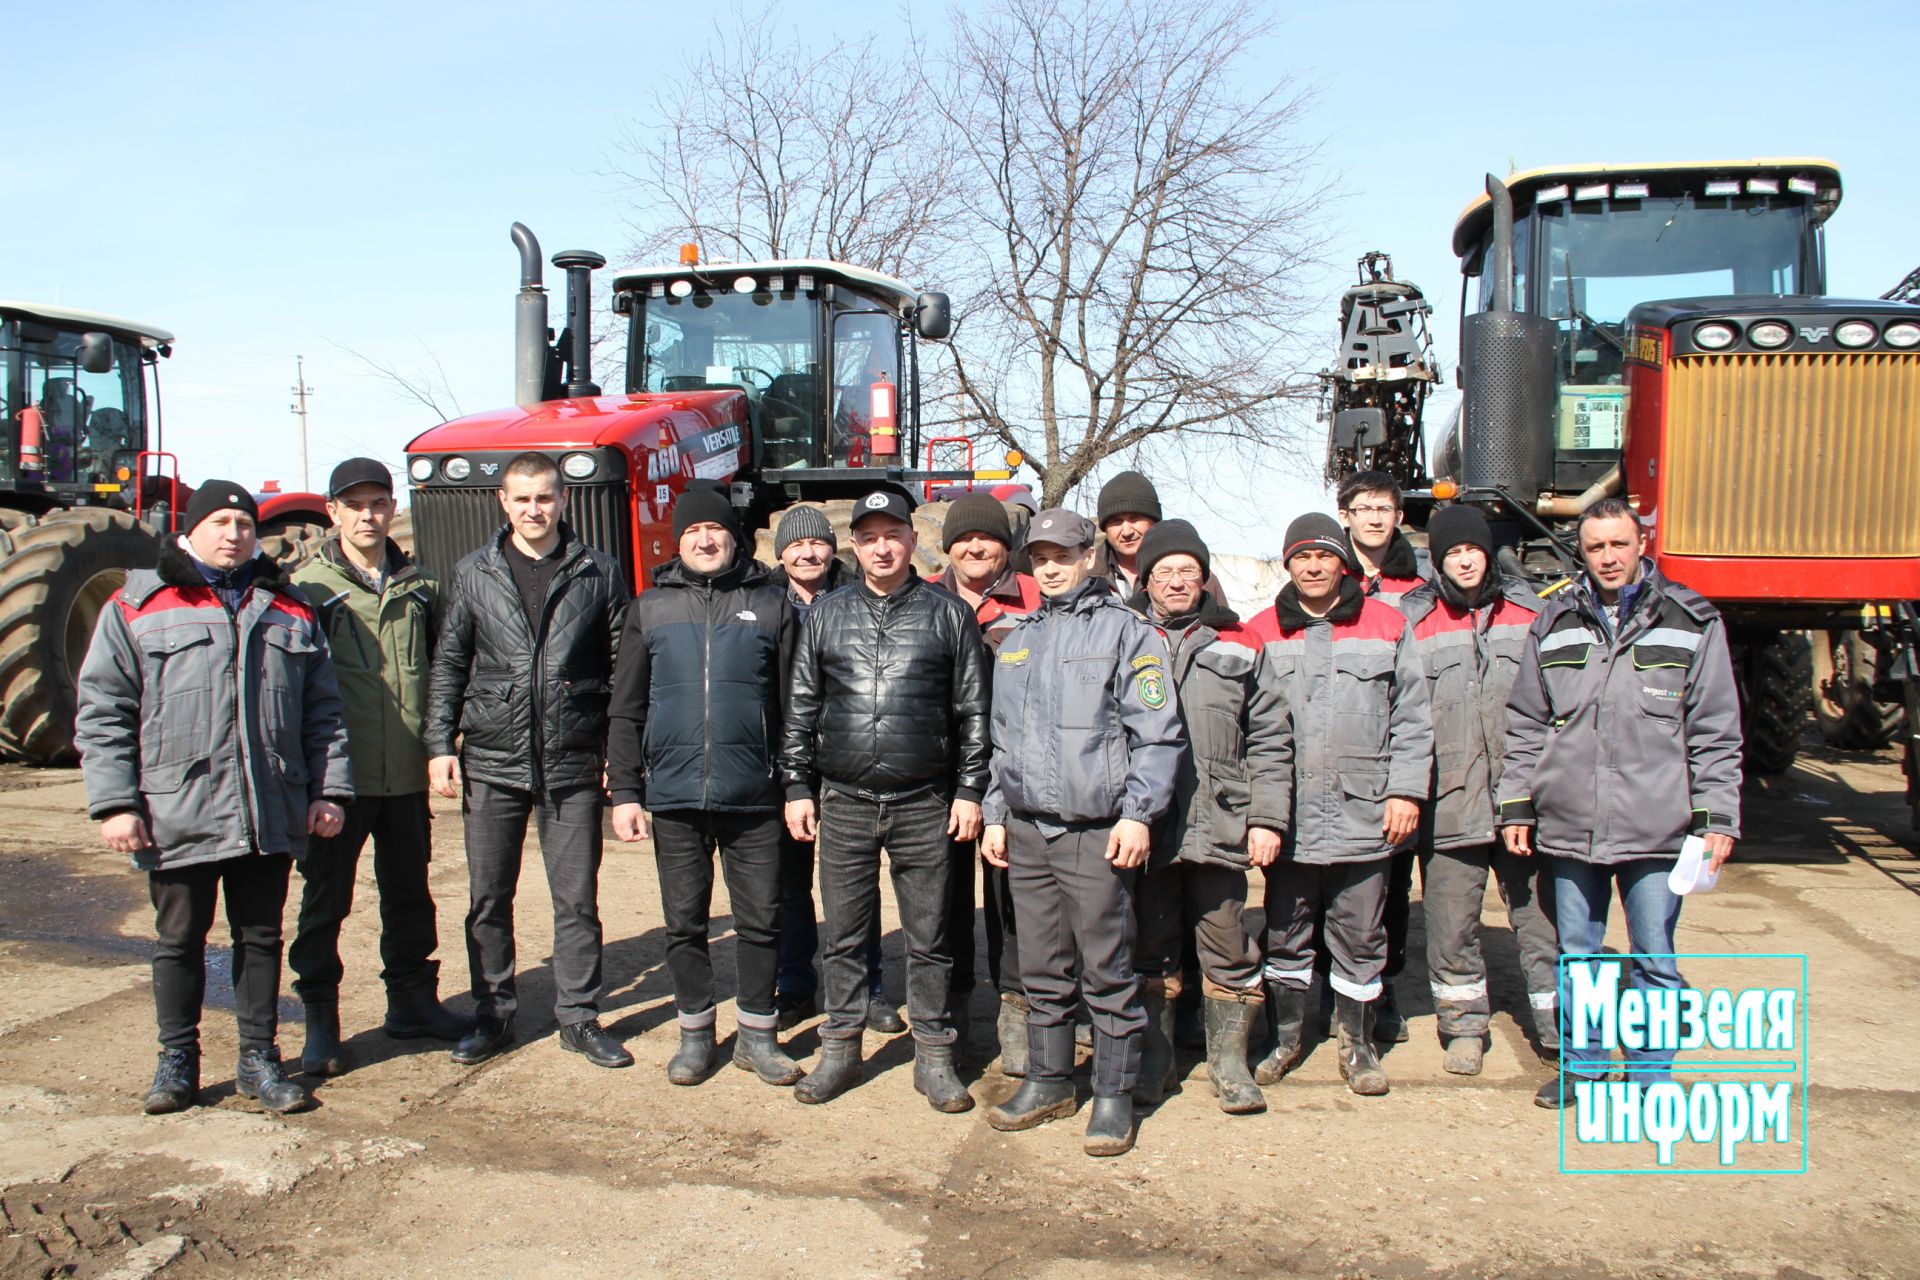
(1286, 605)
(1489, 592)
(1209, 612)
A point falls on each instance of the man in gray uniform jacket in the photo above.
(1087, 747)
(1623, 738)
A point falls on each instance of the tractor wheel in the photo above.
(63, 570)
(12, 524)
(401, 530)
(291, 542)
(1777, 693)
(928, 559)
(1843, 702)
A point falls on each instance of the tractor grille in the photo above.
(1801, 456)
(448, 523)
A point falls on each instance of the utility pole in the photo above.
(301, 391)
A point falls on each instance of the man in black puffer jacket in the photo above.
(695, 728)
(522, 674)
(887, 707)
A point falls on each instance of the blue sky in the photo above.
(269, 181)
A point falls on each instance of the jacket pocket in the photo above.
(1231, 797)
(1363, 793)
(1083, 691)
(283, 677)
(166, 779)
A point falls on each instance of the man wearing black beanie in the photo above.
(1129, 505)
(1470, 626)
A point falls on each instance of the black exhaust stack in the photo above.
(576, 341)
(530, 332)
(1507, 418)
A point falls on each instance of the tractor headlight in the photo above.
(1769, 334)
(1853, 333)
(456, 468)
(421, 469)
(1714, 337)
(1904, 334)
(578, 466)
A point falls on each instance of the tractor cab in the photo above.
(73, 403)
(823, 352)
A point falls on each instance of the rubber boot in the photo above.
(1286, 1021)
(1389, 1024)
(417, 1014)
(757, 1049)
(1047, 1092)
(837, 1072)
(1359, 1065)
(1229, 1023)
(323, 1054)
(1465, 1055)
(1012, 1028)
(1157, 1066)
(1116, 1073)
(934, 1078)
(176, 1079)
(691, 1062)
(260, 1075)
(1546, 1031)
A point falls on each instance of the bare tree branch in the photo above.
(426, 386)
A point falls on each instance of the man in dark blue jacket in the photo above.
(694, 733)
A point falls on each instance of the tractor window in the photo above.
(90, 423)
(866, 348)
(761, 343)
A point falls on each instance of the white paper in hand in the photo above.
(1690, 873)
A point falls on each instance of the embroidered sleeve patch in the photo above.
(1152, 687)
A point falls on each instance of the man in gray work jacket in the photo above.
(1623, 737)
(1087, 748)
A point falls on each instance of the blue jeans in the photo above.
(1583, 892)
(799, 930)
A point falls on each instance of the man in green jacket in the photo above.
(379, 612)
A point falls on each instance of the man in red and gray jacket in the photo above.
(1470, 626)
(1363, 755)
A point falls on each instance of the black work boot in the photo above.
(757, 1049)
(489, 1036)
(1012, 1029)
(1359, 1065)
(838, 1071)
(323, 1054)
(934, 1078)
(1047, 1092)
(417, 1014)
(694, 1058)
(176, 1079)
(1116, 1072)
(260, 1075)
(1157, 1067)
(884, 1018)
(1286, 1022)
(1389, 1024)
(590, 1039)
(1229, 1023)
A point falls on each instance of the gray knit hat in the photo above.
(803, 522)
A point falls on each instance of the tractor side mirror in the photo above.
(96, 352)
(933, 315)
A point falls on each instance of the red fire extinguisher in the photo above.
(885, 429)
(31, 430)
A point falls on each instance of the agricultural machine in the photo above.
(786, 382)
(87, 488)
(1663, 332)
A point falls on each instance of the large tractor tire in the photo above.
(1776, 686)
(291, 542)
(63, 569)
(401, 530)
(1843, 703)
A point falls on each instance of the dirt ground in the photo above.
(538, 1164)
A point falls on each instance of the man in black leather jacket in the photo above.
(523, 673)
(887, 707)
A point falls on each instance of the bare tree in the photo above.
(1147, 234)
(766, 148)
(426, 386)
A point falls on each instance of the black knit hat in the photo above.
(1316, 532)
(219, 495)
(976, 513)
(1450, 527)
(1128, 493)
(704, 503)
(1173, 538)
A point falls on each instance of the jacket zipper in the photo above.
(234, 663)
(706, 695)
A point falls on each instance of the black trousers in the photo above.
(401, 828)
(571, 845)
(255, 889)
(684, 843)
(1003, 936)
(1196, 906)
(1072, 901)
(965, 857)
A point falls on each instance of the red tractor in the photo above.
(86, 490)
(789, 381)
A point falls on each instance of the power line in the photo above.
(299, 408)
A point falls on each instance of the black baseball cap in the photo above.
(882, 502)
(359, 471)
